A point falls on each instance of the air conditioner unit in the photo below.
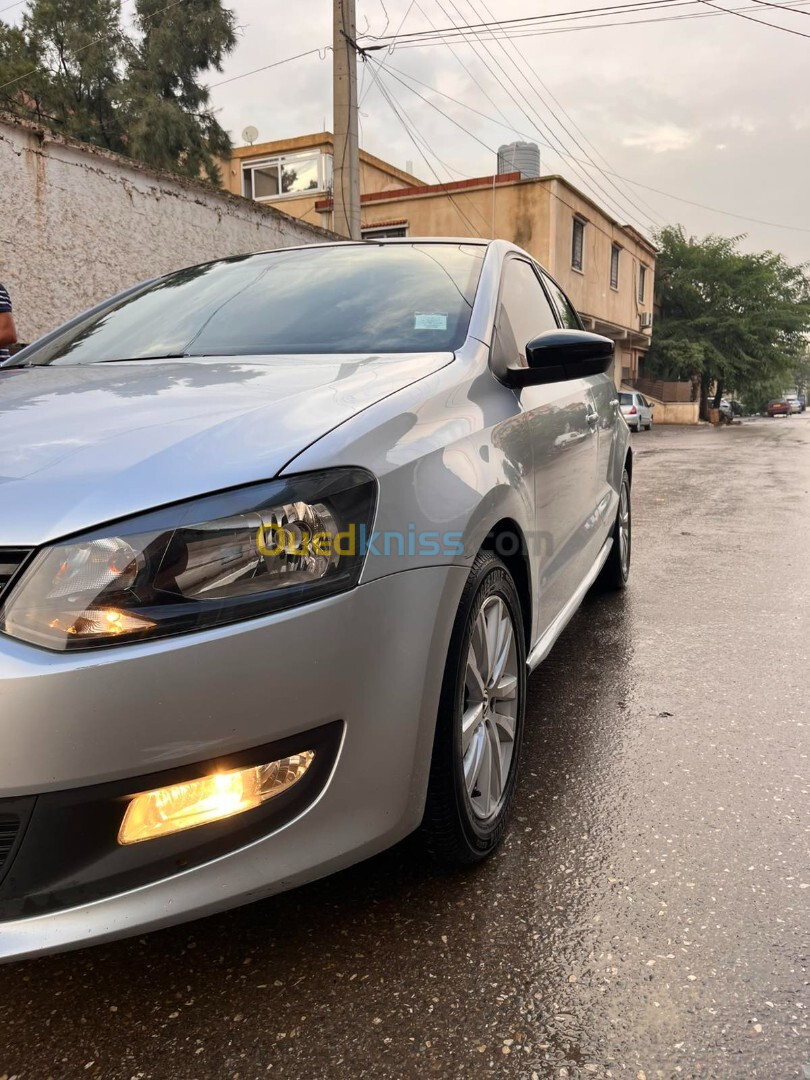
(646, 320)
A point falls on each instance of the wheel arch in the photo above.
(507, 540)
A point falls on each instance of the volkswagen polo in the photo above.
(282, 537)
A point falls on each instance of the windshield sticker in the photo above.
(424, 321)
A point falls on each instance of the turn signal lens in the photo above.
(211, 798)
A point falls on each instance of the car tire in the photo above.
(616, 571)
(469, 796)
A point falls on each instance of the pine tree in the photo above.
(171, 123)
(71, 66)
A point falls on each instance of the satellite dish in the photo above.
(250, 134)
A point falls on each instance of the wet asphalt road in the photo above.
(649, 914)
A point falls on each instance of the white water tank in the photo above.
(522, 157)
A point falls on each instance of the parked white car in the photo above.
(637, 411)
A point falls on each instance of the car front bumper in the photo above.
(368, 663)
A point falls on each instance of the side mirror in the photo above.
(558, 355)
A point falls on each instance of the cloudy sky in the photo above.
(715, 110)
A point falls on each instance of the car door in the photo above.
(564, 443)
(604, 400)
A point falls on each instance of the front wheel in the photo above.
(479, 728)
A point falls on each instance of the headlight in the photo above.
(199, 564)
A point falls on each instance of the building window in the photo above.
(375, 232)
(642, 283)
(614, 266)
(286, 175)
(578, 244)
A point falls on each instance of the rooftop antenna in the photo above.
(250, 134)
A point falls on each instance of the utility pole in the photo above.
(346, 166)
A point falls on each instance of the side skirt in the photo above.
(544, 646)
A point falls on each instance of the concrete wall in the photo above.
(675, 412)
(77, 224)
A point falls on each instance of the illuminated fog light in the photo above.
(211, 798)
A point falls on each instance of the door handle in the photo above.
(592, 418)
(614, 402)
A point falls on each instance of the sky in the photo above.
(713, 110)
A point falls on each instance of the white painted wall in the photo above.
(78, 224)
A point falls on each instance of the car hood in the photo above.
(92, 443)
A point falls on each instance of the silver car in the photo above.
(636, 410)
(282, 537)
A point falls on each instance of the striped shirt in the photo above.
(5, 309)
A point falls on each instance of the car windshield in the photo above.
(626, 399)
(353, 298)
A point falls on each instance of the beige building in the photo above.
(295, 174)
(608, 269)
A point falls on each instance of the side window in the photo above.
(568, 317)
(524, 312)
(577, 243)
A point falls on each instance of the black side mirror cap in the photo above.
(560, 355)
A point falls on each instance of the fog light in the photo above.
(211, 798)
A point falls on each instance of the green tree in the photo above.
(72, 66)
(170, 120)
(730, 319)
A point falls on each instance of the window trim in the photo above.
(545, 274)
(279, 160)
(371, 232)
(615, 250)
(537, 270)
(578, 220)
(642, 282)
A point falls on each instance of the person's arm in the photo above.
(8, 331)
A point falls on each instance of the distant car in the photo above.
(794, 403)
(778, 408)
(637, 411)
(802, 401)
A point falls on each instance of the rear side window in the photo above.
(524, 312)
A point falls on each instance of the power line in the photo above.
(460, 61)
(554, 28)
(750, 18)
(529, 20)
(628, 180)
(591, 184)
(402, 23)
(553, 194)
(780, 7)
(623, 195)
(288, 59)
(443, 186)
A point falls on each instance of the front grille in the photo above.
(9, 828)
(11, 559)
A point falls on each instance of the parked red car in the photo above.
(778, 408)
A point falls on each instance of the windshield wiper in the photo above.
(134, 359)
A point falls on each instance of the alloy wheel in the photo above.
(490, 711)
